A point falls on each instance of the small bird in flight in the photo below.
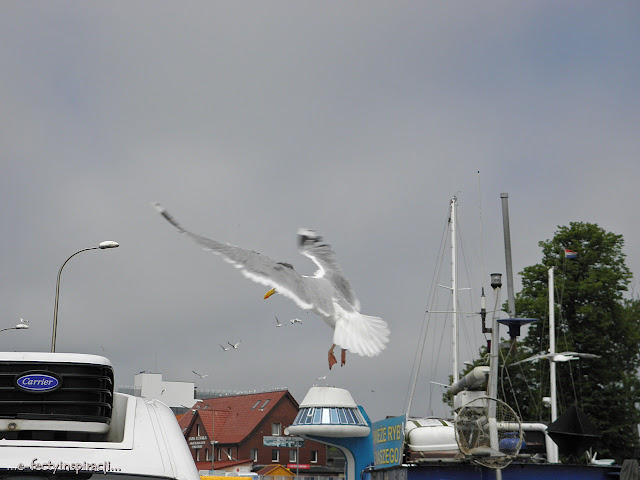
(224, 348)
(234, 345)
(278, 324)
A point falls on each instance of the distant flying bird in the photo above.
(324, 377)
(327, 293)
(201, 376)
(234, 345)
(558, 357)
(224, 348)
(278, 324)
(295, 320)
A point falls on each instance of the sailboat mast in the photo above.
(454, 289)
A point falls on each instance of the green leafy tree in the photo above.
(591, 317)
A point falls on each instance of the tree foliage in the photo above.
(591, 317)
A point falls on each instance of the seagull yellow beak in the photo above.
(269, 293)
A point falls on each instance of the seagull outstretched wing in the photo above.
(312, 246)
(328, 293)
(558, 357)
(253, 265)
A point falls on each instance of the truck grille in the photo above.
(83, 393)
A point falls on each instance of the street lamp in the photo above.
(101, 246)
(21, 326)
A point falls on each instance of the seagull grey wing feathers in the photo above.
(581, 355)
(558, 357)
(312, 246)
(531, 359)
(254, 266)
(328, 293)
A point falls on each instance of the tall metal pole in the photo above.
(494, 351)
(553, 454)
(507, 253)
(493, 370)
(454, 290)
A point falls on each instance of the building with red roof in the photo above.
(239, 423)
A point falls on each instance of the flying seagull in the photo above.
(295, 320)
(327, 293)
(234, 345)
(278, 324)
(224, 348)
(201, 376)
(558, 357)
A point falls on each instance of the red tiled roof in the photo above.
(236, 416)
(185, 420)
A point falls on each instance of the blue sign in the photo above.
(38, 382)
(388, 442)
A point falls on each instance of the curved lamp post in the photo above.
(101, 246)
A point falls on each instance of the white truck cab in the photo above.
(60, 418)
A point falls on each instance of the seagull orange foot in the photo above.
(332, 357)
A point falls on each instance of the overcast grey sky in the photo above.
(247, 120)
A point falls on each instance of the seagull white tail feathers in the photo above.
(361, 334)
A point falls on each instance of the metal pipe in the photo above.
(507, 253)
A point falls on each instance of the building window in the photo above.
(314, 456)
(197, 455)
(329, 416)
(276, 428)
(275, 456)
(253, 454)
(257, 403)
(198, 430)
(293, 458)
(207, 456)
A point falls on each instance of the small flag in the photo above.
(569, 253)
